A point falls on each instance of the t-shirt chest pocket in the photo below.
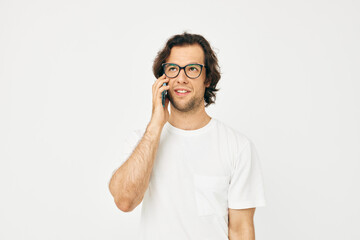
(211, 193)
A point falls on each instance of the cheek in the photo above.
(200, 90)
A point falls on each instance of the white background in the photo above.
(75, 78)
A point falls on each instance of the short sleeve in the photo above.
(246, 188)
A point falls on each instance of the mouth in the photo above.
(181, 92)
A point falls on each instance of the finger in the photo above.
(162, 89)
(159, 93)
(158, 90)
(159, 79)
(160, 84)
(157, 85)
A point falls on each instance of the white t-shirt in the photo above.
(197, 175)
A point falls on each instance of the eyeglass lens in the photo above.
(192, 70)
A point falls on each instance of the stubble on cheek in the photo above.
(190, 104)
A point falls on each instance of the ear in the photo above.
(207, 85)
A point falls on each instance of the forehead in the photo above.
(183, 55)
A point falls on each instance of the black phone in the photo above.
(163, 95)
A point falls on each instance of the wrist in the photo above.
(154, 130)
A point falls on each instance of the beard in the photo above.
(186, 106)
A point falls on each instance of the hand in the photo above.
(160, 114)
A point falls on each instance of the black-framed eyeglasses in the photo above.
(192, 70)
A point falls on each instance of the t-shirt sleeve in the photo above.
(246, 188)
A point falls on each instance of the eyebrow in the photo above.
(188, 63)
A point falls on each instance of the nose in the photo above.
(182, 78)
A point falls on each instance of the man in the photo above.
(197, 178)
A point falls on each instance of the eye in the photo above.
(171, 68)
(193, 69)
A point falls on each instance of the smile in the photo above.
(181, 93)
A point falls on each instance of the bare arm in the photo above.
(241, 225)
(130, 181)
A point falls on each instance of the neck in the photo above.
(189, 120)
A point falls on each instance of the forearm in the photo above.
(130, 181)
(244, 233)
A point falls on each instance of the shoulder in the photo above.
(233, 136)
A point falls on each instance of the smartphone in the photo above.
(163, 95)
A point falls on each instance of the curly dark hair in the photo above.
(211, 61)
